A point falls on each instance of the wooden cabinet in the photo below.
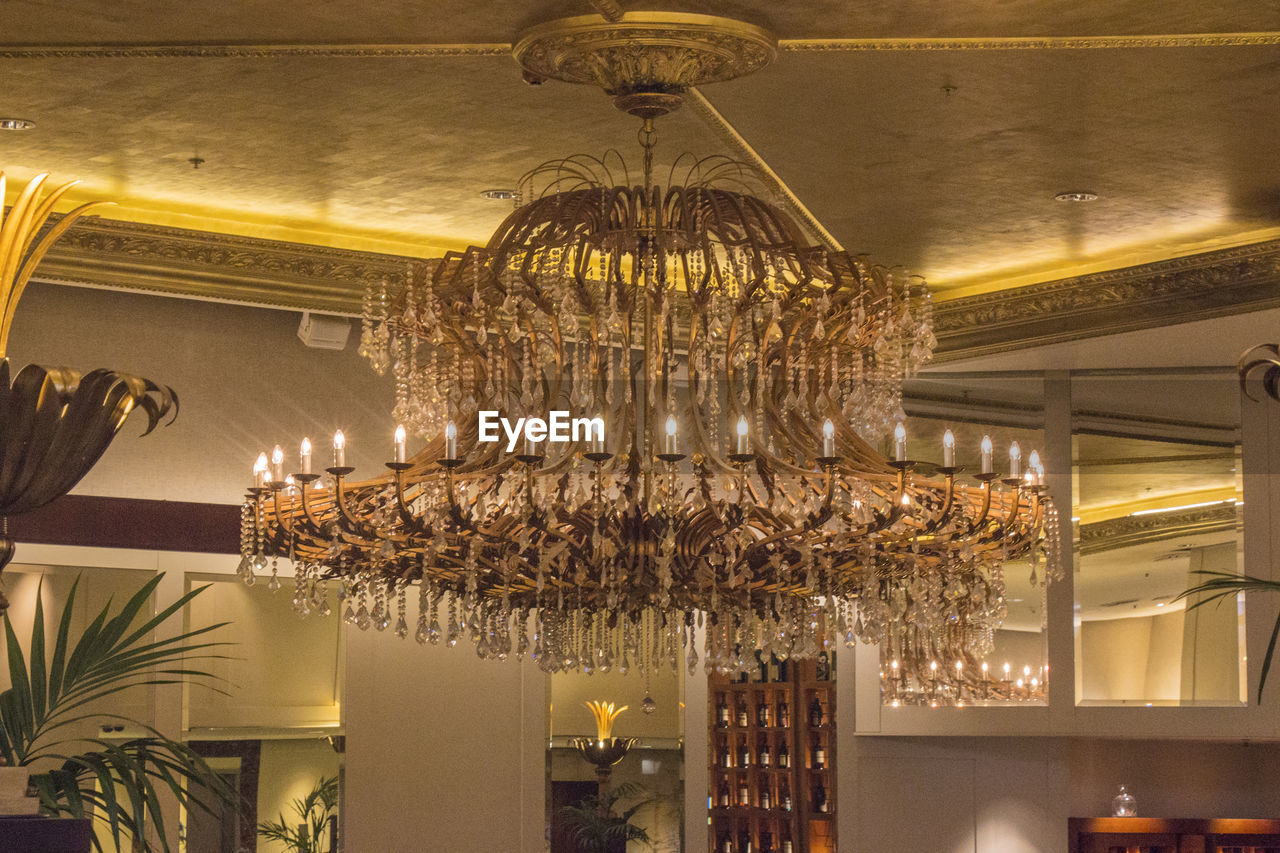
(772, 759)
(1158, 835)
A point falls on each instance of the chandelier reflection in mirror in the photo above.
(741, 373)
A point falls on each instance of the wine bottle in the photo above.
(744, 842)
(784, 715)
(824, 667)
(784, 797)
(820, 799)
(744, 793)
(766, 842)
(762, 668)
(786, 845)
(726, 757)
(742, 714)
(819, 755)
(722, 796)
(726, 844)
(722, 712)
(815, 713)
(762, 713)
(763, 800)
(784, 756)
(763, 757)
(744, 755)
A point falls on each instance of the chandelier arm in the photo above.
(412, 523)
(346, 518)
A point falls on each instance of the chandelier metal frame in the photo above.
(742, 373)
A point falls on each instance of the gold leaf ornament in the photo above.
(605, 714)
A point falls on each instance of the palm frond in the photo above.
(312, 812)
(1223, 585)
(120, 783)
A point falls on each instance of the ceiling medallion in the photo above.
(740, 375)
(645, 60)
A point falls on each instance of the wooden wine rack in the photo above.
(756, 818)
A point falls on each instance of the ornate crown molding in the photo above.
(254, 271)
(250, 51)
(840, 45)
(228, 268)
(1180, 290)
(1130, 530)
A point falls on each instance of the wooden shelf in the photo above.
(1159, 835)
(761, 705)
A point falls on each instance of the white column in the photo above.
(697, 780)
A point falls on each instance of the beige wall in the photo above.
(282, 669)
(445, 753)
(1132, 660)
(1210, 668)
(1007, 795)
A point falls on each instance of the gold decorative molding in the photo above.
(1180, 290)
(645, 60)
(253, 271)
(1130, 530)
(226, 268)
(250, 51)
(831, 45)
(838, 45)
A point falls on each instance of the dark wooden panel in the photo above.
(131, 523)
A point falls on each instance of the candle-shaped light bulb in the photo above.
(670, 444)
(277, 464)
(894, 665)
(1036, 468)
(987, 449)
(744, 445)
(948, 449)
(1006, 669)
(260, 471)
(1026, 672)
(900, 442)
(959, 666)
(450, 440)
(1015, 460)
(984, 669)
(828, 438)
(304, 455)
(339, 450)
(933, 666)
(399, 443)
(597, 440)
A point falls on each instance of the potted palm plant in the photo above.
(116, 784)
(312, 816)
(596, 828)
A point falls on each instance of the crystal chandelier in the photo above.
(730, 378)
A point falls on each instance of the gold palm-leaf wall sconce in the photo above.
(55, 423)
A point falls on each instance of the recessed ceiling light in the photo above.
(16, 124)
(1075, 195)
(500, 194)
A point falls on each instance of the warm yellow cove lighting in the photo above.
(1185, 506)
